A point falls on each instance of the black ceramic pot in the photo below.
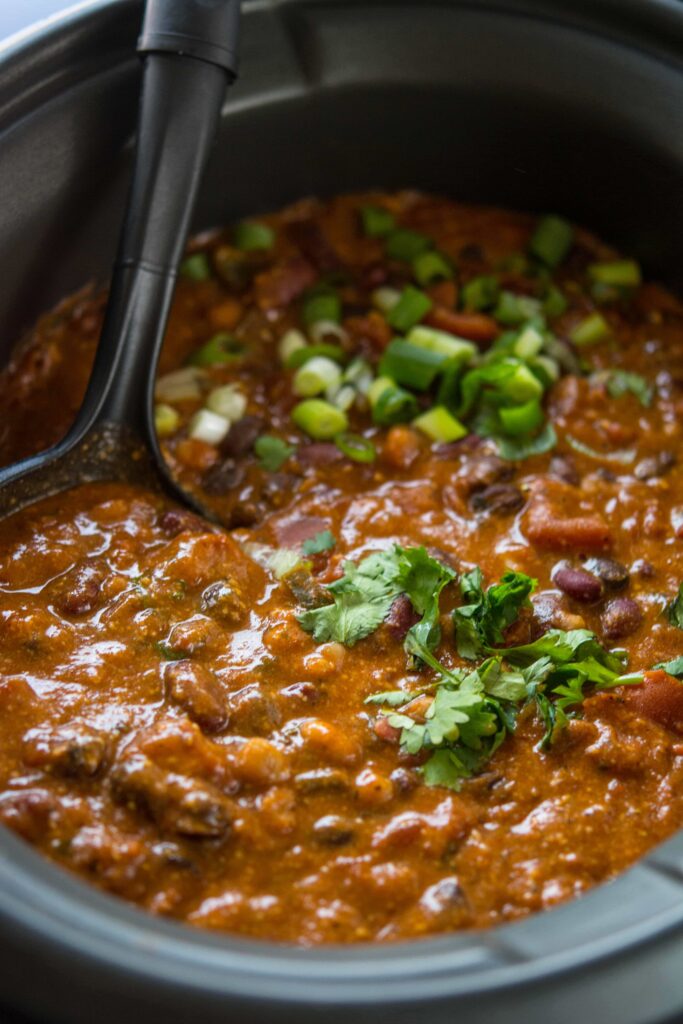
(567, 105)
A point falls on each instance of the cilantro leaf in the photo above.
(482, 621)
(323, 541)
(673, 667)
(272, 452)
(674, 609)
(621, 382)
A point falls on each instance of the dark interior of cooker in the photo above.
(484, 105)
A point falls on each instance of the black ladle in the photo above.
(190, 56)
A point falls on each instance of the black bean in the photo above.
(321, 780)
(498, 499)
(577, 583)
(655, 466)
(245, 513)
(334, 830)
(222, 600)
(562, 466)
(223, 478)
(240, 438)
(453, 449)
(613, 574)
(482, 471)
(403, 779)
(621, 617)
(322, 453)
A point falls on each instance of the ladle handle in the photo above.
(188, 48)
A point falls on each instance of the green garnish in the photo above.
(411, 365)
(221, 348)
(674, 609)
(430, 267)
(319, 419)
(365, 593)
(482, 620)
(321, 305)
(591, 330)
(616, 274)
(272, 452)
(621, 382)
(554, 303)
(251, 235)
(355, 447)
(377, 222)
(440, 426)
(513, 310)
(323, 541)
(409, 310)
(673, 667)
(404, 244)
(521, 419)
(196, 267)
(480, 293)
(519, 448)
(300, 356)
(391, 404)
(551, 241)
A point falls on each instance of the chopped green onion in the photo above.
(411, 365)
(522, 385)
(616, 274)
(404, 244)
(521, 419)
(554, 303)
(355, 447)
(519, 448)
(272, 452)
(343, 397)
(322, 330)
(480, 293)
(322, 306)
(300, 356)
(513, 310)
(250, 235)
(430, 267)
(440, 425)
(290, 342)
(604, 293)
(359, 374)
(208, 426)
(409, 310)
(384, 299)
(552, 240)
(456, 350)
(166, 419)
(316, 376)
(181, 385)
(227, 401)
(196, 267)
(390, 403)
(591, 330)
(545, 368)
(319, 419)
(221, 348)
(529, 343)
(377, 222)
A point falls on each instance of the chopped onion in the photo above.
(317, 375)
(180, 385)
(208, 426)
(323, 329)
(342, 397)
(227, 401)
(290, 342)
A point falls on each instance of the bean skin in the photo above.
(613, 574)
(622, 617)
(582, 586)
(498, 500)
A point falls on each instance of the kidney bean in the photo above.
(476, 327)
(79, 590)
(621, 617)
(195, 689)
(403, 779)
(245, 513)
(74, 750)
(401, 617)
(441, 896)
(655, 466)
(660, 698)
(578, 584)
(223, 600)
(176, 520)
(309, 237)
(322, 453)
(240, 438)
(613, 574)
(321, 780)
(498, 499)
(283, 282)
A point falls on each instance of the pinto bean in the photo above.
(283, 282)
(621, 617)
(329, 741)
(659, 698)
(582, 586)
(240, 438)
(197, 691)
(498, 500)
(613, 574)
(401, 447)
(75, 750)
(260, 763)
(654, 466)
(373, 789)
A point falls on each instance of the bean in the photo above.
(577, 583)
(309, 237)
(195, 689)
(176, 520)
(401, 447)
(401, 617)
(223, 478)
(323, 453)
(79, 590)
(403, 779)
(329, 741)
(373, 788)
(482, 471)
(240, 438)
(334, 830)
(613, 574)
(261, 763)
(445, 893)
(224, 601)
(622, 617)
(564, 469)
(498, 499)
(654, 466)
(321, 780)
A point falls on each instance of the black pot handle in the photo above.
(205, 29)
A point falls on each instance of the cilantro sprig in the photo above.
(482, 620)
(674, 609)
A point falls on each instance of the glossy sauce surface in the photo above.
(170, 732)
